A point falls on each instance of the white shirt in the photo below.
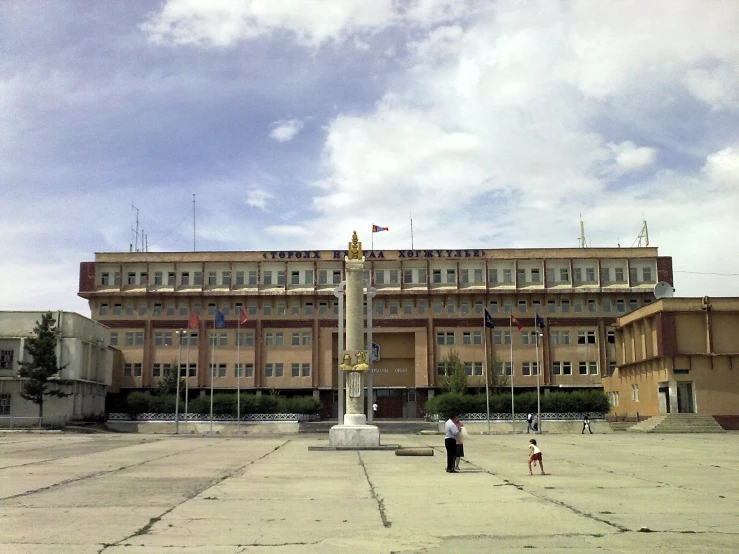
(374, 407)
(450, 430)
(534, 449)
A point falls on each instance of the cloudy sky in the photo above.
(495, 124)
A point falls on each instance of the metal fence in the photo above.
(216, 417)
(32, 422)
(565, 416)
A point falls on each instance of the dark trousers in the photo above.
(584, 426)
(451, 453)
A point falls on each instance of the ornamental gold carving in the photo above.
(355, 248)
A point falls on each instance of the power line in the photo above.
(172, 231)
(708, 273)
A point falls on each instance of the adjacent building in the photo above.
(82, 351)
(428, 303)
(678, 355)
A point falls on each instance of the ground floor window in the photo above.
(4, 404)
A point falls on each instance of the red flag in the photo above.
(242, 316)
(194, 322)
(517, 323)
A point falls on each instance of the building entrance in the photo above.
(389, 403)
(685, 398)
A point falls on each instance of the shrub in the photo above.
(199, 405)
(162, 404)
(249, 404)
(302, 405)
(138, 403)
(268, 404)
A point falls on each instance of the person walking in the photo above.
(451, 432)
(586, 424)
(529, 422)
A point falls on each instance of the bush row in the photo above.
(451, 403)
(223, 404)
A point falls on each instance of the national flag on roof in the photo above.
(220, 321)
(242, 316)
(194, 321)
(539, 321)
(377, 228)
(517, 323)
(488, 320)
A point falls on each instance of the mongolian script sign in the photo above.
(371, 254)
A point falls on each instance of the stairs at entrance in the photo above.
(678, 423)
(386, 426)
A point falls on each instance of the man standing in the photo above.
(586, 424)
(451, 432)
(530, 422)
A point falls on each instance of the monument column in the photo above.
(355, 338)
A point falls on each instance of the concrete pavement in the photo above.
(139, 494)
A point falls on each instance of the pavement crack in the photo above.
(380, 502)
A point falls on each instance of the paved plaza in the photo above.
(139, 494)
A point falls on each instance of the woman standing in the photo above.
(451, 432)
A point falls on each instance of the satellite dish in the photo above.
(663, 289)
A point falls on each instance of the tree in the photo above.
(454, 378)
(168, 383)
(496, 382)
(38, 374)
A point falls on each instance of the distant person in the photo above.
(374, 409)
(535, 456)
(529, 422)
(451, 432)
(460, 445)
(586, 424)
(536, 423)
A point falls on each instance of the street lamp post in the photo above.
(538, 393)
(371, 292)
(178, 370)
(339, 293)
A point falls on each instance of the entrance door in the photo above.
(389, 404)
(664, 398)
(685, 398)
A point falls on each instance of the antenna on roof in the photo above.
(581, 240)
(135, 247)
(644, 233)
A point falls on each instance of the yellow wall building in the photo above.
(428, 302)
(677, 355)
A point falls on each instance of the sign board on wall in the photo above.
(375, 352)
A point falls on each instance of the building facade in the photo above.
(82, 351)
(678, 355)
(428, 303)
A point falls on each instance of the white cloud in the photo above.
(286, 130)
(258, 198)
(224, 22)
(629, 157)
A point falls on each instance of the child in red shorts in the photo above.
(535, 456)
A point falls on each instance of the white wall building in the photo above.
(82, 350)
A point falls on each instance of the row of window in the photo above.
(382, 277)
(381, 307)
(527, 368)
(217, 338)
(5, 404)
(219, 370)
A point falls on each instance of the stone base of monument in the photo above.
(354, 436)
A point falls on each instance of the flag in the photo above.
(517, 323)
(194, 322)
(220, 321)
(377, 228)
(539, 322)
(489, 320)
(242, 316)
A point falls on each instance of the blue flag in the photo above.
(539, 322)
(220, 320)
(488, 320)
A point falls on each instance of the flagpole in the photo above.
(513, 404)
(187, 372)
(238, 374)
(487, 380)
(179, 377)
(212, 371)
(372, 242)
(538, 398)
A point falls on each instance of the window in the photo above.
(476, 337)
(278, 370)
(605, 274)
(103, 309)
(436, 276)
(564, 337)
(551, 306)
(577, 305)
(620, 306)
(550, 275)
(564, 275)
(451, 276)
(451, 306)
(421, 307)
(492, 276)
(4, 404)
(606, 305)
(464, 276)
(197, 278)
(280, 308)
(294, 277)
(611, 337)
(619, 274)
(114, 338)
(156, 370)
(268, 370)
(586, 337)
(477, 276)
(566, 368)
(407, 307)
(508, 276)
(279, 339)
(309, 308)
(468, 368)
(583, 368)
(536, 306)
(158, 338)
(239, 278)
(440, 368)
(593, 368)
(322, 277)
(522, 306)
(478, 368)
(535, 276)
(393, 277)
(305, 338)
(466, 338)
(554, 337)
(508, 306)
(478, 306)
(295, 370)
(464, 307)
(611, 367)
(295, 307)
(556, 368)
(499, 366)
(185, 278)
(379, 307)
(577, 275)
(493, 306)
(295, 339)
(267, 308)
(437, 306)
(252, 278)
(6, 359)
(267, 278)
(633, 304)
(635, 393)
(336, 277)
(590, 275)
(408, 276)
(421, 275)
(248, 370)
(525, 368)
(393, 307)
(380, 277)
(226, 278)
(245, 338)
(139, 338)
(281, 277)
(212, 276)
(521, 275)
(633, 274)
(127, 370)
(105, 279)
(269, 339)
(157, 309)
(565, 304)
(137, 370)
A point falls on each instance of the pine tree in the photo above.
(38, 374)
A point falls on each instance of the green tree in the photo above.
(454, 378)
(38, 374)
(496, 383)
(168, 383)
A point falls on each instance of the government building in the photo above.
(428, 303)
